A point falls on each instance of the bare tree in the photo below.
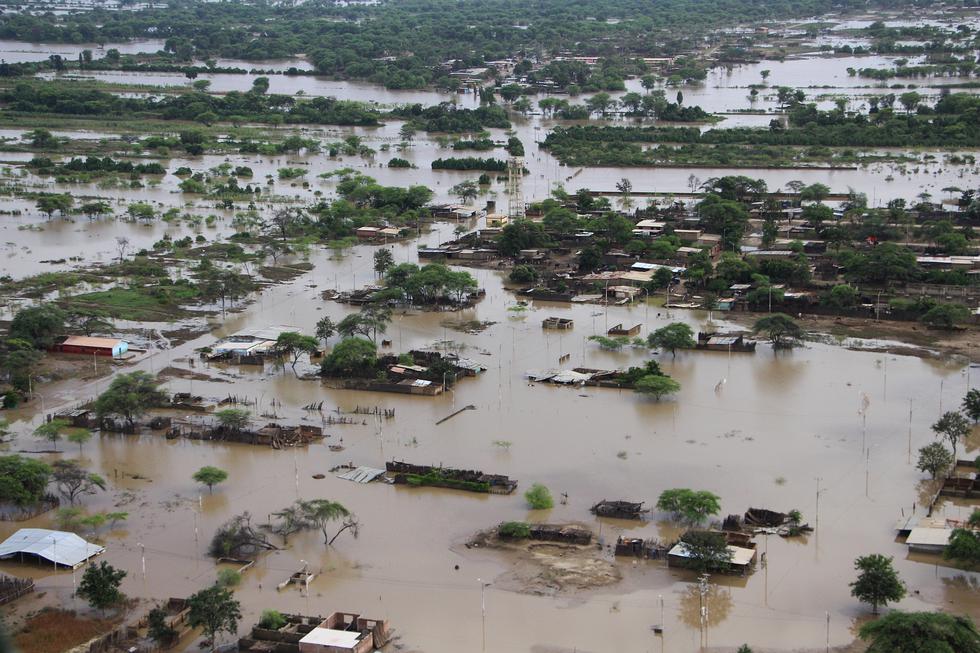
(122, 244)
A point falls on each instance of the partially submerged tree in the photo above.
(656, 385)
(383, 259)
(130, 396)
(237, 538)
(538, 497)
(100, 585)
(672, 337)
(325, 328)
(781, 330)
(73, 481)
(79, 436)
(52, 431)
(353, 357)
(918, 632)
(319, 513)
(210, 476)
(877, 582)
(952, 427)
(692, 506)
(233, 419)
(159, 628)
(214, 610)
(934, 458)
(294, 345)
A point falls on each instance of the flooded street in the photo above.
(776, 425)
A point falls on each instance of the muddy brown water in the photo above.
(774, 425)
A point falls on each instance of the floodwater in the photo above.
(776, 425)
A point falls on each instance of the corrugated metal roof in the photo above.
(362, 474)
(59, 547)
(929, 536)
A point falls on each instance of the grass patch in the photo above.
(54, 631)
(144, 304)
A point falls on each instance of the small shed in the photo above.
(93, 346)
(928, 540)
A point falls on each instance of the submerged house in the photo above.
(56, 547)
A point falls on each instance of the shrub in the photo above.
(514, 529)
(272, 620)
(539, 497)
(228, 577)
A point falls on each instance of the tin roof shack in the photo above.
(636, 547)
(92, 346)
(344, 632)
(742, 559)
(928, 540)
(249, 345)
(619, 509)
(724, 342)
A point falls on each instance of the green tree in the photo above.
(49, 204)
(210, 476)
(843, 296)
(934, 458)
(325, 328)
(919, 632)
(22, 480)
(41, 325)
(72, 480)
(538, 497)
(726, 217)
(52, 431)
(814, 193)
(159, 628)
(130, 396)
(656, 386)
(708, 550)
(141, 211)
(466, 191)
(294, 345)
(952, 427)
(971, 404)
(100, 585)
(963, 547)
(215, 610)
(945, 316)
(79, 436)
(781, 330)
(523, 274)
(672, 337)
(352, 357)
(383, 259)
(877, 582)
(692, 506)
(320, 513)
(233, 419)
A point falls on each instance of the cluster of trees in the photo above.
(93, 166)
(948, 124)
(446, 117)
(470, 163)
(237, 107)
(404, 46)
(429, 284)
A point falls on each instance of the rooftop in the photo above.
(58, 547)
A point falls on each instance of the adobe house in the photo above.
(110, 347)
(344, 632)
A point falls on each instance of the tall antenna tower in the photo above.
(515, 195)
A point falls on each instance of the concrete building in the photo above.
(344, 632)
(92, 346)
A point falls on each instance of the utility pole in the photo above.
(816, 513)
(483, 610)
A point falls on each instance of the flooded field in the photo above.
(763, 437)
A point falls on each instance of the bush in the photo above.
(539, 497)
(523, 274)
(228, 577)
(272, 620)
(514, 529)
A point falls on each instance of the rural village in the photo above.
(429, 326)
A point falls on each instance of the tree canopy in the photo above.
(877, 582)
(915, 632)
(130, 396)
